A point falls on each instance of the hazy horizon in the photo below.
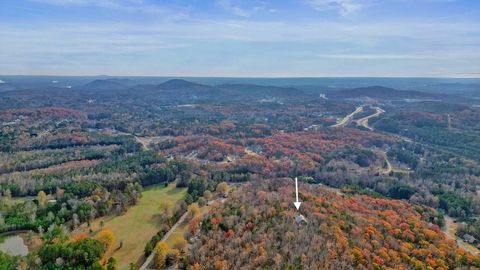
(472, 77)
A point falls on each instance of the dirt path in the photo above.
(346, 120)
(147, 141)
(450, 231)
(331, 189)
(144, 141)
(389, 168)
(148, 261)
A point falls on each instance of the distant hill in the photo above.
(6, 87)
(380, 92)
(451, 88)
(178, 84)
(179, 87)
(174, 90)
(108, 84)
(264, 89)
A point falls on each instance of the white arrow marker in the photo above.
(297, 203)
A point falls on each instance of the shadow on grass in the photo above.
(174, 191)
(154, 187)
(140, 261)
(157, 220)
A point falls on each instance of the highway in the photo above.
(364, 121)
(346, 120)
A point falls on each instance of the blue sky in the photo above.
(260, 38)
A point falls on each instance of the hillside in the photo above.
(256, 229)
(261, 90)
(178, 84)
(380, 92)
(108, 84)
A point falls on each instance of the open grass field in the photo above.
(139, 224)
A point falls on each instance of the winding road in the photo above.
(364, 121)
(451, 225)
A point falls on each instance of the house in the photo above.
(469, 238)
(210, 202)
(300, 219)
(52, 201)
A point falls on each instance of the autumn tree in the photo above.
(193, 225)
(193, 210)
(180, 243)
(161, 251)
(207, 195)
(42, 198)
(111, 264)
(106, 237)
(222, 187)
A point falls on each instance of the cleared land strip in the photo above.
(450, 231)
(137, 226)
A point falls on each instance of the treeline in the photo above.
(67, 208)
(80, 195)
(60, 251)
(31, 160)
(112, 173)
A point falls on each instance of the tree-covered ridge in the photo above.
(281, 154)
(256, 228)
(455, 132)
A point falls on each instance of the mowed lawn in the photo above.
(136, 227)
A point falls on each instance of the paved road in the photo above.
(148, 261)
(364, 121)
(348, 118)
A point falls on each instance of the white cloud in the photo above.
(140, 6)
(344, 7)
(261, 47)
(380, 56)
(107, 3)
(411, 56)
(2, 81)
(118, 4)
(362, 41)
(235, 9)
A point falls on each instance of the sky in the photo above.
(241, 38)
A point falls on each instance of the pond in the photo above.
(13, 245)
